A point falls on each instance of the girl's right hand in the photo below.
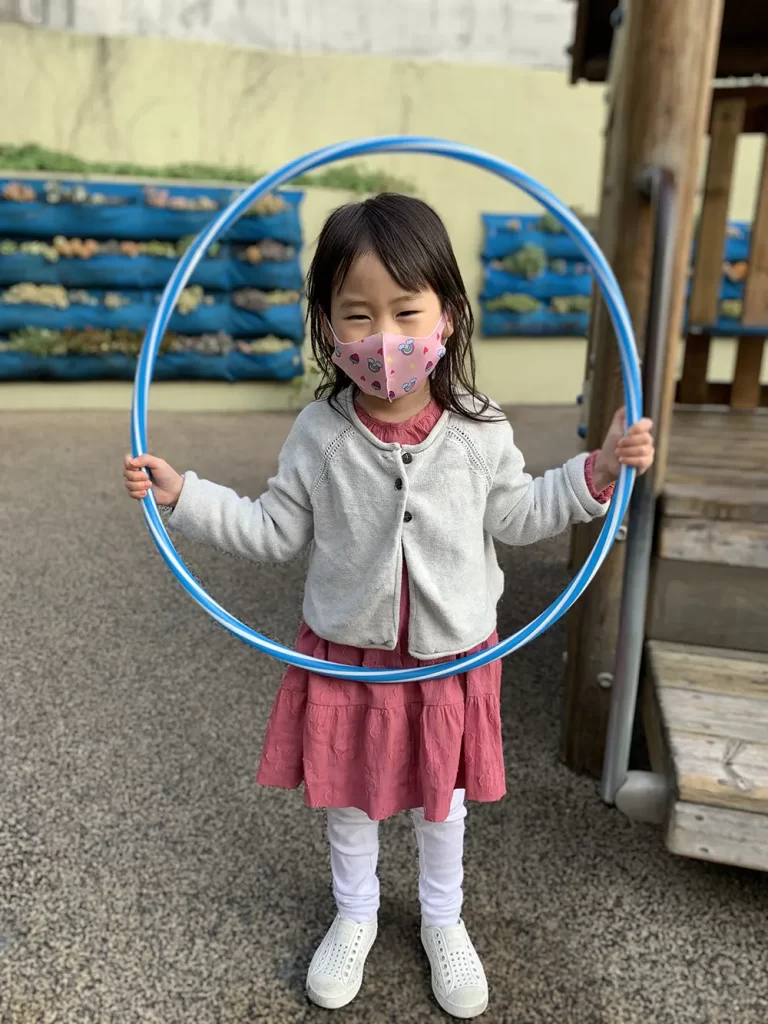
(166, 482)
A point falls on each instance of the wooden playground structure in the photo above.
(702, 706)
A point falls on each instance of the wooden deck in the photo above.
(710, 579)
(706, 694)
(707, 711)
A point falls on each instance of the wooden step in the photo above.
(710, 572)
(711, 605)
(706, 714)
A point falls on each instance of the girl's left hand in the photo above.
(622, 447)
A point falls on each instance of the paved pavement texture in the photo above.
(145, 878)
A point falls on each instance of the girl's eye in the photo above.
(356, 316)
(409, 312)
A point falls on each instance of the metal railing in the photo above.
(660, 187)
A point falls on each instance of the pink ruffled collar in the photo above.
(411, 431)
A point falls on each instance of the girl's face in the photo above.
(370, 301)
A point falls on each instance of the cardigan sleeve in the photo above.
(274, 528)
(521, 510)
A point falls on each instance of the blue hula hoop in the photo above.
(629, 366)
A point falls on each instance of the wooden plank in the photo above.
(688, 183)
(755, 309)
(690, 425)
(579, 41)
(719, 393)
(720, 606)
(720, 772)
(732, 479)
(726, 124)
(655, 734)
(693, 420)
(692, 389)
(746, 431)
(745, 391)
(705, 669)
(714, 714)
(692, 498)
(717, 423)
(747, 458)
(716, 451)
(719, 835)
(707, 540)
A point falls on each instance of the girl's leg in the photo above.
(441, 868)
(336, 972)
(354, 841)
(458, 978)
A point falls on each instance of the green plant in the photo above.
(517, 303)
(530, 261)
(96, 341)
(571, 304)
(352, 177)
(549, 224)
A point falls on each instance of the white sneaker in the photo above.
(458, 978)
(336, 972)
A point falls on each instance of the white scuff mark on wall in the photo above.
(532, 33)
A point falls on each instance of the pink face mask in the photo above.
(390, 365)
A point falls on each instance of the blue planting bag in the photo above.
(282, 321)
(137, 221)
(503, 239)
(16, 366)
(545, 286)
(543, 324)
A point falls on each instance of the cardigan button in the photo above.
(407, 458)
(407, 517)
(399, 484)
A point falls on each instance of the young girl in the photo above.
(400, 477)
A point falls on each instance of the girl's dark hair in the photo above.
(411, 241)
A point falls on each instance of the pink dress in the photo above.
(386, 748)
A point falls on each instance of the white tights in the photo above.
(354, 841)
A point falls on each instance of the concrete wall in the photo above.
(154, 100)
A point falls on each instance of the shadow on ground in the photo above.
(144, 877)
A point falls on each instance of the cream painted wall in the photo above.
(165, 101)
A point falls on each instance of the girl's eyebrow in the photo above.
(410, 297)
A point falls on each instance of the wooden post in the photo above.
(727, 123)
(755, 311)
(711, 22)
(674, 47)
(605, 226)
(746, 391)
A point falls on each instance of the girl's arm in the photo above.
(520, 510)
(274, 528)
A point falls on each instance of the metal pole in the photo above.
(660, 186)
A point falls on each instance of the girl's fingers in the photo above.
(635, 449)
(641, 427)
(636, 441)
(149, 462)
(136, 475)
